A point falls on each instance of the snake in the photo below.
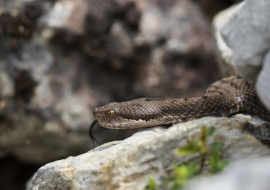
(223, 98)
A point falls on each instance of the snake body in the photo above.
(223, 98)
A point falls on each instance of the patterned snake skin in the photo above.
(223, 98)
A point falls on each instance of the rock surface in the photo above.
(242, 36)
(129, 163)
(247, 34)
(224, 53)
(248, 174)
(262, 85)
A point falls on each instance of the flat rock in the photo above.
(128, 164)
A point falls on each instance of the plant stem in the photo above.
(202, 160)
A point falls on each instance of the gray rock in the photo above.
(61, 59)
(42, 117)
(10, 5)
(128, 164)
(243, 47)
(224, 53)
(262, 85)
(248, 174)
(28, 128)
(247, 33)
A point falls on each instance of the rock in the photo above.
(128, 164)
(247, 34)
(248, 174)
(262, 85)
(9, 5)
(242, 38)
(224, 53)
(61, 59)
(35, 118)
(34, 125)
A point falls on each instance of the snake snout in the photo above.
(97, 114)
(105, 116)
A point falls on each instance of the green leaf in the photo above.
(185, 171)
(214, 159)
(151, 184)
(219, 166)
(181, 172)
(178, 184)
(211, 130)
(215, 163)
(193, 168)
(216, 146)
(222, 164)
(191, 147)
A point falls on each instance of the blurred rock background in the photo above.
(59, 59)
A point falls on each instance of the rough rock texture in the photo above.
(248, 174)
(247, 34)
(224, 53)
(242, 36)
(59, 59)
(129, 163)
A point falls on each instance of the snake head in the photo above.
(123, 115)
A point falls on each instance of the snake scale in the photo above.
(225, 97)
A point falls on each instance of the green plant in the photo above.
(151, 184)
(209, 154)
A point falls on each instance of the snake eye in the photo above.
(111, 113)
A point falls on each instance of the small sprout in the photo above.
(186, 171)
(203, 135)
(209, 154)
(183, 173)
(191, 147)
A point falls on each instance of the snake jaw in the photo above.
(126, 124)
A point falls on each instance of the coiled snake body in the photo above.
(223, 98)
